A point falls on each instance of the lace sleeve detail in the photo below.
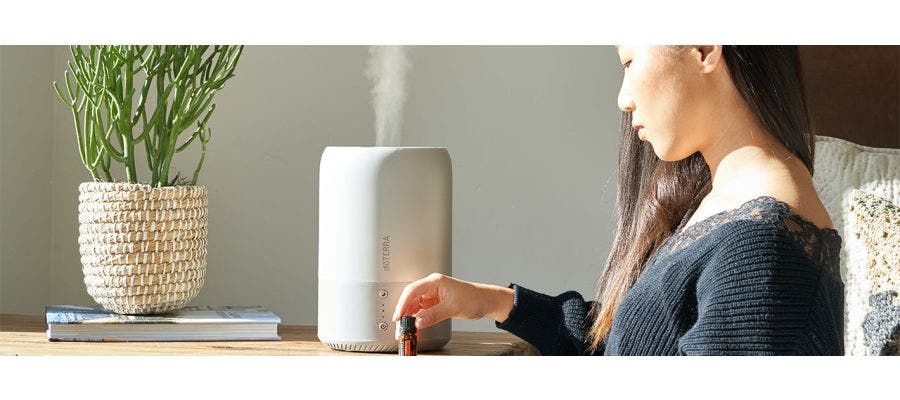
(821, 245)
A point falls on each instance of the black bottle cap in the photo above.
(407, 324)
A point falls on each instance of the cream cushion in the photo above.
(876, 221)
(841, 167)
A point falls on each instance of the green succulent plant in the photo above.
(124, 96)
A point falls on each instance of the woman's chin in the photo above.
(665, 153)
(673, 156)
(663, 156)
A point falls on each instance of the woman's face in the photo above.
(665, 90)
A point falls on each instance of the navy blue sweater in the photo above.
(755, 280)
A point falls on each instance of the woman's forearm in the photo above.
(499, 301)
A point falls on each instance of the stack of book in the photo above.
(94, 324)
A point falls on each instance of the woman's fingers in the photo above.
(408, 303)
(430, 316)
(423, 303)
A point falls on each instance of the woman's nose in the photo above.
(626, 102)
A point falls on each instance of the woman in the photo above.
(722, 244)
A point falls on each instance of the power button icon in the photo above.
(383, 326)
(382, 293)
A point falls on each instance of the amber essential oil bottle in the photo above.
(407, 344)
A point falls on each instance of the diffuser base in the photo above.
(424, 346)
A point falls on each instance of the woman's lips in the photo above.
(640, 130)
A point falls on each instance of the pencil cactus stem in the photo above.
(100, 90)
(202, 156)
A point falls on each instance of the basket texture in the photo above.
(143, 249)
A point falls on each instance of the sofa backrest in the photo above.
(840, 167)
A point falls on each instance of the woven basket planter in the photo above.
(143, 249)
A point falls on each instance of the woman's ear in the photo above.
(709, 57)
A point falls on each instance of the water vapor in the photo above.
(386, 69)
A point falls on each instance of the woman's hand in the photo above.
(437, 297)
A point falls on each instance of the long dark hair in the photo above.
(654, 195)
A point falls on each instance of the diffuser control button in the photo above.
(383, 326)
(382, 293)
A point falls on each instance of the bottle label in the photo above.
(407, 348)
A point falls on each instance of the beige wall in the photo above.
(531, 132)
(26, 164)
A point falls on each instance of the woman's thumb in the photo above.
(432, 315)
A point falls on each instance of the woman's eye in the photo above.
(626, 64)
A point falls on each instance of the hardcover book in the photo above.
(197, 323)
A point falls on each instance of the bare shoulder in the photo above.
(806, 204)
(786, 180)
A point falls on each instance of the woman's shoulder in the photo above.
(803, 204)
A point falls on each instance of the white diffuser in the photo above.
(384, 221)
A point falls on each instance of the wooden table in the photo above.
(27, 335)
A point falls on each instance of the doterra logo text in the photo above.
(386, 252)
